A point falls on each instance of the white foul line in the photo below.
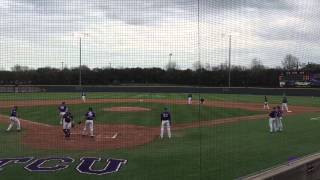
(114, 136)
(99, 136)
(36, 123)
(315, 119)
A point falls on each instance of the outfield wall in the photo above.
(168, 89)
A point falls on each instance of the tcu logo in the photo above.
(53, 164)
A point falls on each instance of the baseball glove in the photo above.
(72, 124)
(79, 122)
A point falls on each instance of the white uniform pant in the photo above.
(266, 105)
(284, 106)
(272, 124)
(66, 125)
(14, 121)
(61, 117)
(189, 100)
(83, 98)
(279, 126)
(88, 126)
(167, 125)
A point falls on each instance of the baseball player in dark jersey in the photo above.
(279, 126)
(14, 119)
(272, 120)
(62, 109)
(266, 103)
(90, 116)
(67, 124)
(165, 118)
(202, 100)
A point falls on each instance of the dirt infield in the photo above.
(126, 109)
(107, 136)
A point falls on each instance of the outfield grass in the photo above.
(293, 100)
(227, 151)
(180, 113)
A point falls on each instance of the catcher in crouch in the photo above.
(67, 124)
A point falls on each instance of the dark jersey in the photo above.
(190, 96)
(63, 108)
(165, 116)
(13, 113)
(284, 100)
(279, 113)
(83, 94)
(265, 99)
(67, 117)
(273, 114)
(90, 115)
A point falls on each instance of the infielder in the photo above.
(67, 124)
(272, 120)
(190, 99)
(14, 119)
(202, 100)
(62, 109)
(266, 104)
(165, 118)
(284, 105)
(90, 116)
(83, 96)
(279, 126)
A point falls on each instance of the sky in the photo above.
(142, 33)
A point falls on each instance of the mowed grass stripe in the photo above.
(293, 100)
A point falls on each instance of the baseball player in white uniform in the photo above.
(190, 99)
(90, 116)
(14, 120)
(83, 96)
(284, 105)
(165, 118)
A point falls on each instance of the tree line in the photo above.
(256, 75)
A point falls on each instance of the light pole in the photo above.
(80, 35)
(229, 58)
(61, 65)
(80, 78)
(229, 68)
(170, 55)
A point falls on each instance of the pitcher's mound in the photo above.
(126, 109)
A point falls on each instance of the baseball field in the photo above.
(226, 137)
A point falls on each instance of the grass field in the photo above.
(225, 151)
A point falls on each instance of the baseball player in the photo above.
(165, 118)
(83, 96)
(279, 126)
(67, 124)
(202, 100)
(190, 99)
(14, 119)
(272, 119)
(90, 116)
(266, 104)
(62, 109)
(284, 105)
